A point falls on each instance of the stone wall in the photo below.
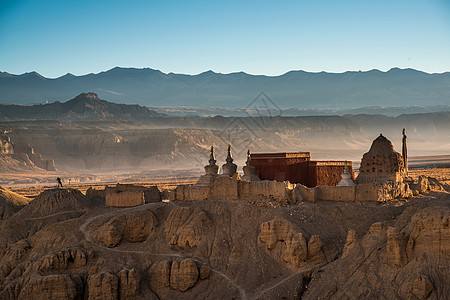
(381, 192)
(151, 194)
(232, 188)
(336, 193)
(278, 191)
(126, 195)
(125, 199)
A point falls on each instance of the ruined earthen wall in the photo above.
(125, 199)
(151, 194)
(336, 193)
(359, 193)
(304, 193)
(231, 188)
(366, 193)
(224, 188)
(279, 191)
(190, 193)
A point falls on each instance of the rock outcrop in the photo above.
(396, 248)
(103, 285)
(57, 287)
(288, 245)
(72, 257)
(113, 284)
(179, 275)
(132, 227)
(183, 274)
(187, 228)
(351, 244)
(406, 261)
(6, 146)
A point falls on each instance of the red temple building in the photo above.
(296, 167)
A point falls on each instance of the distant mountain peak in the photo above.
(33, 74)
(89, 95)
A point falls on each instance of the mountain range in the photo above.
(295, 89)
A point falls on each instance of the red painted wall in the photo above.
(277, 166)
(296, 167)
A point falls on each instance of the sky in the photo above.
(258, 37)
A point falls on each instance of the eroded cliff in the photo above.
(77, 249)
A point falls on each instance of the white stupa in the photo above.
(346, 178)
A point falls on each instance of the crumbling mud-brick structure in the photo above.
(128, 195)
(297, 167)
(291, 177)
(381, 163)
(233, 188)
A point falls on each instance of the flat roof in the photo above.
(280, 155)
(330, 162)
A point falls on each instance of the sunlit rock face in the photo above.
(381, 163)
(5, 145)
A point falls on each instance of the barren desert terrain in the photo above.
(65, 245)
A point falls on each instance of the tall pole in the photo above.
(405, 151)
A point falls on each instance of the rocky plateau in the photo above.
(65, 245)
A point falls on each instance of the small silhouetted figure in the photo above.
(405, 151)
(59, 182)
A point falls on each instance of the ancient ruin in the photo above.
(381, 163)
(229, 168)
(291, 177)
(126, 195)
(346, 178)
(212, 168)
(297, 167)
(249, 170)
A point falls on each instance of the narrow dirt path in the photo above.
(56, 214)
(268, 289)
(143, 207)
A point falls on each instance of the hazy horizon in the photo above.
(228, 73)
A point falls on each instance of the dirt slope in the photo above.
(231, 250)
(10, 203)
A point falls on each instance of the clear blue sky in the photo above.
(257, 37)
